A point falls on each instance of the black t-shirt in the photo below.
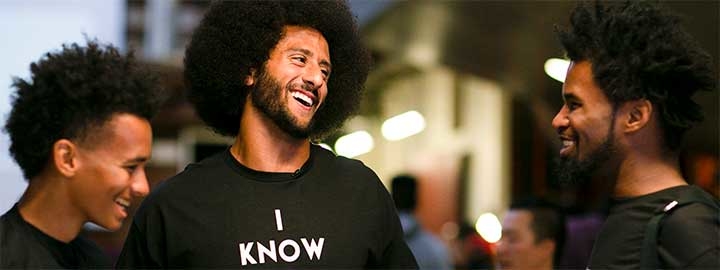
(24, 246)
(689, 237)
(332, 213)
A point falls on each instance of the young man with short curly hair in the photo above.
(274, 75)
(79, 129)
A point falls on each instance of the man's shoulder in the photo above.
(328, 158)
(694, 215)
(691, 230)
(11, 228)
(19, 249)
(195, 174)
(348, 172)
(5, 218)
(94, 256)
(691, 203)
(194, 182)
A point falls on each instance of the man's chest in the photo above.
(267, 232)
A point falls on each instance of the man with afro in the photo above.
(627, 102)
(274, 75)
(79, 129)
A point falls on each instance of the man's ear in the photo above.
(65, 157)
(250, 79)
(639, 113)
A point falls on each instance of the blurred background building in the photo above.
(458, 96)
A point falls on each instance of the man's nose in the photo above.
(561, 121)
(314, 77)
(140, 186)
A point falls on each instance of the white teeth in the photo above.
(568, 143)
(123, 202)
(303, 97)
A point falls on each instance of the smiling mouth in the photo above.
(123, 202)
(567, 145)
(302, 98)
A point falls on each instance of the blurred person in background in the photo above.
(470, 250)
(627, 103)
(533, 235)
(274, 75)
(79, 130)
(430, 252)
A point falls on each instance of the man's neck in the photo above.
(262, 146)
(644, 174)
(45, 205)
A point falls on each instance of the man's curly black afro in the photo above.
(639, 51)
(236, 37)
(71, 93)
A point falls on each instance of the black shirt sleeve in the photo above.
(396, 254)
(144, 246)
(135, 252)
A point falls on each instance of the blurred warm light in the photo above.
(324, 145)
(557, 68)
(403, 125)
(354, 144)
(488, 226)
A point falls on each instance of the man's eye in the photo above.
(299, 59)
(131, 168)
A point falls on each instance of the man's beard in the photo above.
(267, 97)
(572, 171)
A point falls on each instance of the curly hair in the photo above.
(638, 51)
(70, 94)
(236, 37)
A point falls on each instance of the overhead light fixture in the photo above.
(488, 226)
(354, 144)
(557, 68)
(403, 125)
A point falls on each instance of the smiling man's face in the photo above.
(584, 125)
(293, 85)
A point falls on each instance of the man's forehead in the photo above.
(518, 216)
(297, 37)
(580, 82)
(289, 29)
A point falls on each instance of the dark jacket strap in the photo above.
(649, 257)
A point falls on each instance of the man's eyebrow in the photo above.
(307, 52)
(137, 160)
(569, 96)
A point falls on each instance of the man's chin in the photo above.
(571, 171)
(297, 132)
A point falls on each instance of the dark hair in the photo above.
(548, 222)
(404, 192)
(236, 37)
(638, 51)
(70, 93)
